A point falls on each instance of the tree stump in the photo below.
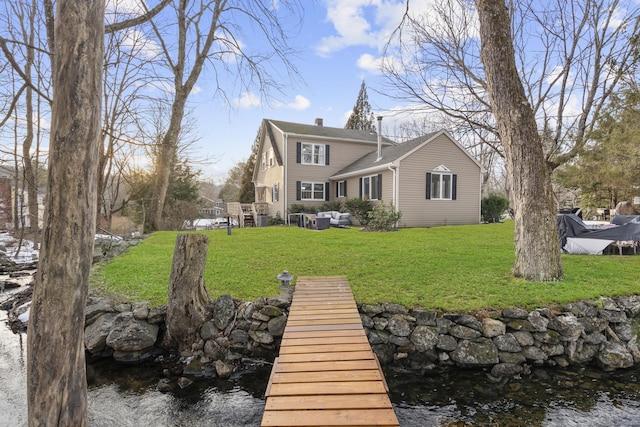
(189, 303)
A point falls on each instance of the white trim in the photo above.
(441, 185)
(362, 172)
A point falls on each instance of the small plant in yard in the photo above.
(276, 219)
(383, 217)
(493, 206)
(360, 209)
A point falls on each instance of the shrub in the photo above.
(331, 206)
(383, 217)
(276, 219)
(360, 209)
(493, 206)
(297, 208)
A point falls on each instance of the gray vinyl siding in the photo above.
(416, 210)
(270, 176)
(341, 155)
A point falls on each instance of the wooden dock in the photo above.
(326, 373)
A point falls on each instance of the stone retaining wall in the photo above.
(507, 342)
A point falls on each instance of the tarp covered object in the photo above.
(574, 232)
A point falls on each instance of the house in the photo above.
(432, 179)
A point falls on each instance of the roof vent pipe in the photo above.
(379, 138)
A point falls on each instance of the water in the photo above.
(124, 395)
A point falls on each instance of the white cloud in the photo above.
(247, 100)
(139, 44)
(300, 103)
(114, 9)
(370, 63)
(364, 22)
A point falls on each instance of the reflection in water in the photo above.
(547, 398)
(126, 395)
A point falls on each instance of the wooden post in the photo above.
(189, 302)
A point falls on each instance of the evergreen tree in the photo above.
(607, 170)
(247, 188)
(361, 117)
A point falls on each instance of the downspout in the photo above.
(379, 138)
(394, 193)
(285, 164)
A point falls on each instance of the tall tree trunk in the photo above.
(165, 162)
(56, 378)
(188, 298)
(29, 174)
(537, 246)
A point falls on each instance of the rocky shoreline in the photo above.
(504, 343)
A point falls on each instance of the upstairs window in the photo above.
(312, 154)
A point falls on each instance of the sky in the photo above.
(338, 47)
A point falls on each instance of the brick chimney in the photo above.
(319, 121)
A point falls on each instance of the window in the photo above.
(263, 165)
(275, 192)
(441, 185)
(312, 190)
(312, 154)
(341, 189)
(371, 187)
(270, 161)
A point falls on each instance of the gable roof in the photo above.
(392, 154)
(327, 132)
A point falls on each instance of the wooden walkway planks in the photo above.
(326, 374)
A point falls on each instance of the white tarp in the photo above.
(585, 246)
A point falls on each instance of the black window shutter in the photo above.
(379, 186)
(298, 153)
(326, 155)
(345, 189)
(337, 188)
(361, 195)
(428, 185)
(454, 185)
(298, 190)
(327, 186)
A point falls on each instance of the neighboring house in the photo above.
(432, 180)
(212, 208)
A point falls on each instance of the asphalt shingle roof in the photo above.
(389, 154)
(328, 132)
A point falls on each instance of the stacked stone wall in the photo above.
(506, 342)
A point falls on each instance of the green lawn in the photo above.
(461, 268)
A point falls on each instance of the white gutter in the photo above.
(285, 164)
(379, 138)
(394, 192)
(359, 172)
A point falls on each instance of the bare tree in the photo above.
(571, 56)
(127, 72)
(536, 233)
(58, 396)
(207, 35)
